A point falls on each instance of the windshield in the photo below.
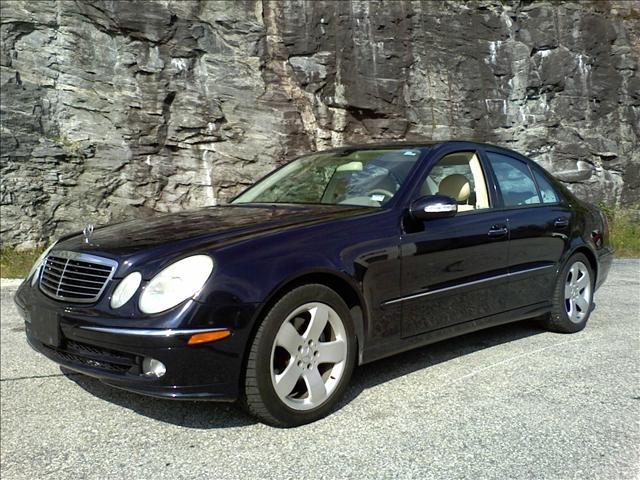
(355, 177)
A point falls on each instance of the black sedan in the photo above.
(336, 259)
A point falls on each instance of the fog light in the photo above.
(153, 368)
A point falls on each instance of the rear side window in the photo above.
(514, 180)
(547, 192)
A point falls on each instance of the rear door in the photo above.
(538, 223)
(454, 269)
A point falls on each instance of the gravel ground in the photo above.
(509, 402)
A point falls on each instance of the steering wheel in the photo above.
(379, 191)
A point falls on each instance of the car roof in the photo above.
(422, 144)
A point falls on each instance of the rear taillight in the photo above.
(601, 235)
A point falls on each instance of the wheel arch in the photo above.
(330, 279)
(593, 260)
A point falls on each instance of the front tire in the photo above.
(573, 297)
(301, 358)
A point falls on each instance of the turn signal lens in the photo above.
(208, 337)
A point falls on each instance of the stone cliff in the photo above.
(114, 109)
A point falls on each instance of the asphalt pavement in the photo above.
(509, 402)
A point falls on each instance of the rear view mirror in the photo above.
(433, 206)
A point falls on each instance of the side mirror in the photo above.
(433, 206)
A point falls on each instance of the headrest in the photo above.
(455, 186)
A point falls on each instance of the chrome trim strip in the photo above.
(83, 257)
(475, 282)
(530, 270)
(148, 332)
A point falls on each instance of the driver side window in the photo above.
(459, 175)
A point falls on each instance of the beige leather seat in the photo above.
(457, 186)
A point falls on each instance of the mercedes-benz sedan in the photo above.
(336, 259)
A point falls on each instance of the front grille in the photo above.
(75, 277)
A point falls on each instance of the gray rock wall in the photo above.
(114, 109)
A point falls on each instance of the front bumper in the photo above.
(83, 340)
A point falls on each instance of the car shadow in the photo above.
(209, 415)
(184, 413)
(396, 366)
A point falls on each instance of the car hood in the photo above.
(202, 228)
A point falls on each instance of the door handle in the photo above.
(561, 222)
(498, 231)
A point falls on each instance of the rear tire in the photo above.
(301, 358)
(572, 298)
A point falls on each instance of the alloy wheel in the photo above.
(577, 292)
(308, 356)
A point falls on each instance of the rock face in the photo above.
(113, 110)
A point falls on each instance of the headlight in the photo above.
(176, 283)
(33, 274)
(125, 289)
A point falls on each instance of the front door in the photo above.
(454, 269)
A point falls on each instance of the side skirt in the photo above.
(408, 343)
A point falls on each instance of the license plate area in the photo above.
(44, 326)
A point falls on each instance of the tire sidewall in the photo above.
(272, 323)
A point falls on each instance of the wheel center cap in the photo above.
(305, 354)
